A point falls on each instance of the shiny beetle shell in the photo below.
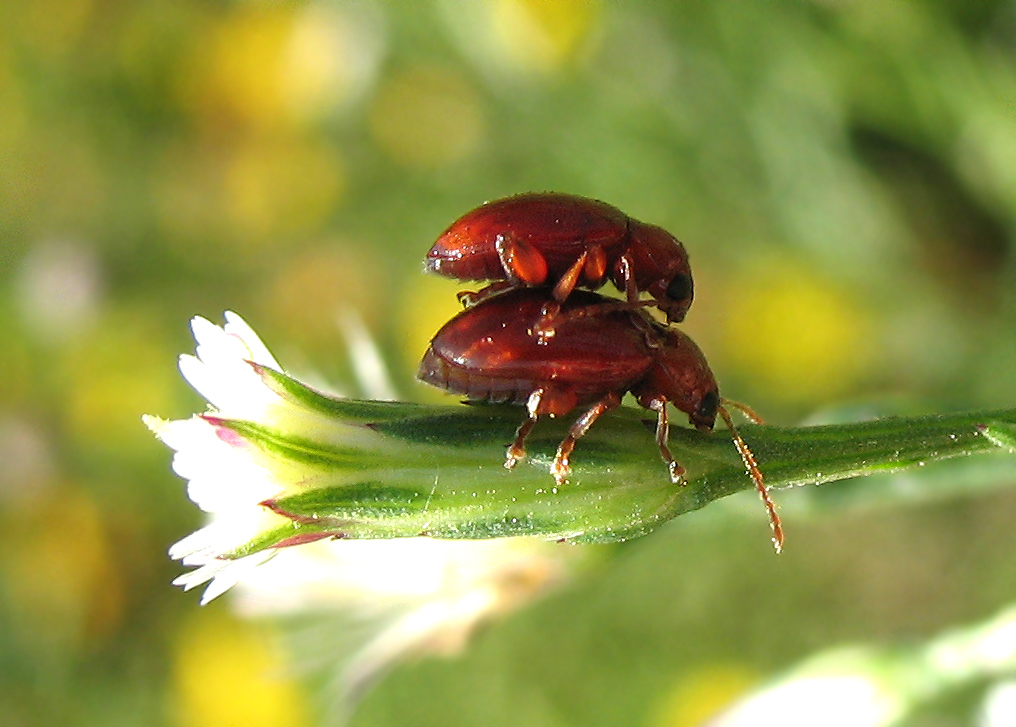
(565, 241)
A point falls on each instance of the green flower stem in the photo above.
(405, 470)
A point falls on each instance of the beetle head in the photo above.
(660, 265)
(682, 376)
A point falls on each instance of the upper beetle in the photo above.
(488, 353)
(566, 241)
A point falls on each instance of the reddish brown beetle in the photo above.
(564, 241)
(488, 353)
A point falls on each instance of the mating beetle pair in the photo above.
(531, 338)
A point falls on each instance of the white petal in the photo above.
(237, 326)
(198, 375)
(204, 330)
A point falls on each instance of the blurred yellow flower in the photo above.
(249, 196)
(428, 302)
(525, 39)
(15, 123)
(51, 28)
(59, 569)
(276, 188)
(544, 35)
(109, 378)
(310, 290)
(794, 332)
(426, 117)
(228, 673)
(272, 67)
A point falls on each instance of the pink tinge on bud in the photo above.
(305, 538)
(224, 432)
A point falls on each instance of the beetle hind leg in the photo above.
(517, 449)
(561, 468)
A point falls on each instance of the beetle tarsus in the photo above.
(560, 469)
(469, 298)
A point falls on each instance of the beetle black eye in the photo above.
(707, 407)
(680, 287)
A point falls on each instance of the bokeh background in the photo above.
(843, 175)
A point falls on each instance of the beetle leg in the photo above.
(469, 298)
(596, 265)
(568, 281)
(544, 327)
(560, 468)
(626, 272)
(523, 264)
(550, 318)
(662, 435)
(517, 450)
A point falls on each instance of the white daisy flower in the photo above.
(268, 445)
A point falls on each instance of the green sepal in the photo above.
(351, 411)
(438, 470)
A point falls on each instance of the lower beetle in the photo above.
(489, 353)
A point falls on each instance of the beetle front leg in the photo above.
(561, 468)
(662, 435)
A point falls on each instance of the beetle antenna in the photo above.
(751, 465)
(746, 410)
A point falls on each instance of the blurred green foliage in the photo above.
(842, 174)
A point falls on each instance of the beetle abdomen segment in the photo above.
(438, 372)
